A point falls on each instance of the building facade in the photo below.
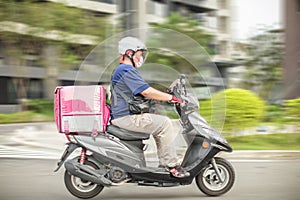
(37, 73)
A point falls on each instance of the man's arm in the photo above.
(155, 94)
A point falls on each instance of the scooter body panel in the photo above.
(109, 148)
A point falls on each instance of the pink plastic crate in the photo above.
(81, 109)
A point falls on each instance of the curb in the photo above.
(262, 154)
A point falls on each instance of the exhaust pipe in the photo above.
(86, 173)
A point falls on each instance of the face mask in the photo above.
(140, 62)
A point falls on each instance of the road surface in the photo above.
(34, 179)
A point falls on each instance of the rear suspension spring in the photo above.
(82, 156)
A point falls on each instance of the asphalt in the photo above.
(45, 136)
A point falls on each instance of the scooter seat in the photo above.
(124, 134)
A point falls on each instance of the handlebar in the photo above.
(178, 89)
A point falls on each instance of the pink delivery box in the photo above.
(81, 109)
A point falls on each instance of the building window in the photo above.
(10, 93)
(67, 82)
(1, 60)
(32, 57)
(35, 90)
(1, 54)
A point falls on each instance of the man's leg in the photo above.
(162, 130)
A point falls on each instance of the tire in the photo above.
(81, 188)
(208, 181)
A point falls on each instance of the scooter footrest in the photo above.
(157, 184)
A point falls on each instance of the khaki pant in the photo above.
(157, 125)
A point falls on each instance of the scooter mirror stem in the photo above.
(182, 78)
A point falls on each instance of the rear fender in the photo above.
(69, 150)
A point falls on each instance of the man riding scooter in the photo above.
(127, 81)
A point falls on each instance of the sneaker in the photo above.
(178, 172)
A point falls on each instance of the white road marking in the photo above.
(15, 152)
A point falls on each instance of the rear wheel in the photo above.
(82, 188)
(208, 181)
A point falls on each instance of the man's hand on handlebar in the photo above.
(175, 100)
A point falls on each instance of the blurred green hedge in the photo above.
(274, 114)
(236, 109)
(292, 110)
(287, 113)
(37, 110)
(41, 106)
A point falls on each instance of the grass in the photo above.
(281, 141)
(37, 110)
(24, 117)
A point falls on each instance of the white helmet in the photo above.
(131, 43)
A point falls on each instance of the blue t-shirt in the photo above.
(129, 81)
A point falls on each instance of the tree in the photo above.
(264, 66)
(188, 27)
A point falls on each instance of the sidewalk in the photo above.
(45, 136)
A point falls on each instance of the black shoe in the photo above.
(178, 172)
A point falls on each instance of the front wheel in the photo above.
(208, 182)
(81, 188)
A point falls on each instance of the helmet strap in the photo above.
(129, 54)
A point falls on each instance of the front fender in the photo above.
(223, 146)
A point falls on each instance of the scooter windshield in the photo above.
(189, 110)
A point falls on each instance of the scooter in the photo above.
(117, 156)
